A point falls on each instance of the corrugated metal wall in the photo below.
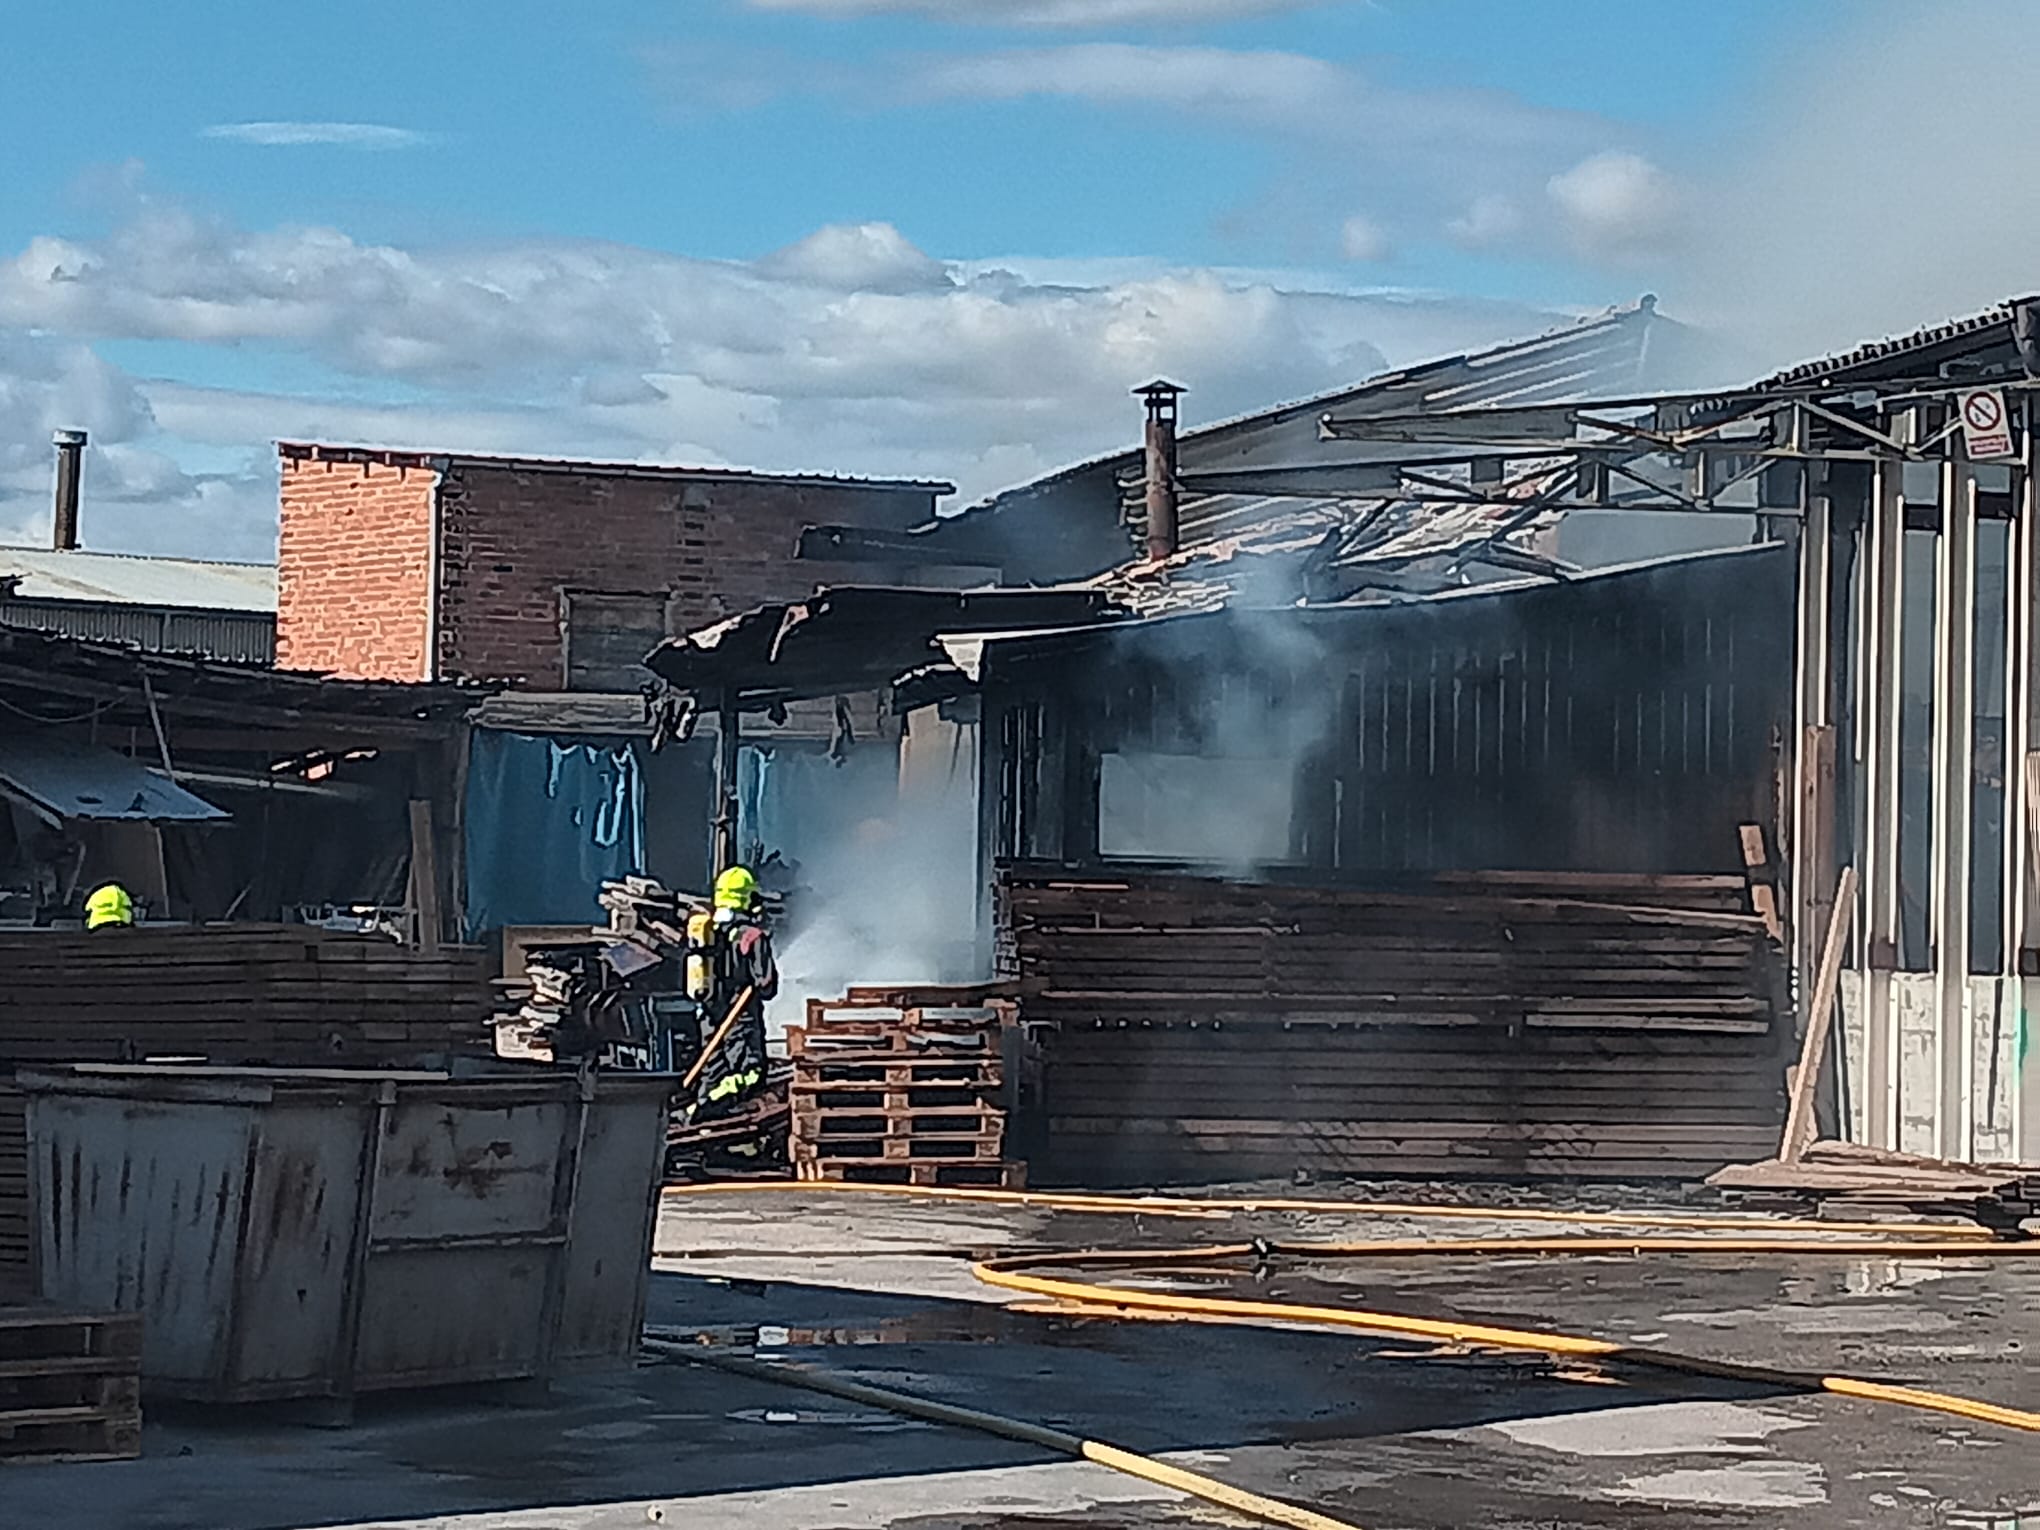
(1625, 723)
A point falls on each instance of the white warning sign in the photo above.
(1986, 432)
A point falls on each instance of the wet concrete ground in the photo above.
(1383, 1432)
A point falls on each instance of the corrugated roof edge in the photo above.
(1620, 313)
(1893, 345)
(1342, 608)
(97, 552)
(324, 451)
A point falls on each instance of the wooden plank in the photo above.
(1799, 1120)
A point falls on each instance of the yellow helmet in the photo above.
(109, 904)
(736, 889)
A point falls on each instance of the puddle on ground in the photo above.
(1746, 1485)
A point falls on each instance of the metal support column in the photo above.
(1954, 768)
(728, 738)
(1878, 710)
(2022, 736)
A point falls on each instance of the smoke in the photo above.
(1207, 761)
(1882, 187)
(886, 869)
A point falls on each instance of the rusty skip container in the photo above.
(307, 1233)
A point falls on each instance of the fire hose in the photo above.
(1672, 1233)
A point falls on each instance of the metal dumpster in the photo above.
(310, 1233)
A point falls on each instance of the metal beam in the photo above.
(1879, 709)
(2022, 734)
(1954, 760)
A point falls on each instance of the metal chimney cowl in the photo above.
(1163, 525)
(70, 446)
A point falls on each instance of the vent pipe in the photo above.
(1163, 533)
(70, 465)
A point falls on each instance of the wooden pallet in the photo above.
(989, 1176)
(70, 1385)
(902, 1085)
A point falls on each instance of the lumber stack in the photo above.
(903, 1086)
(285, 995)
(70, 1385)
(16, 1275)
(1568, 1025)
(1851, 1177)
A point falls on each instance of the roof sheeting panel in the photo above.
(127, 580)
(79, 781)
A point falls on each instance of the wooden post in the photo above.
(425, 877)
(1799, 1123)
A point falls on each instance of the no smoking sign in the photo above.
(1985, 432)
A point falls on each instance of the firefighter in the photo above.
(740, 959)
(109, 907)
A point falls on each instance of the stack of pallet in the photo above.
(903, 1086)
(70, 1385)
(288, 995)
(16, 1277)
(1553, 1025)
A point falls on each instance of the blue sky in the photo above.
(901, 236)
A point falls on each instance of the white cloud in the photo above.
(1362, 239)
(345, 135)
(870, 257)
(1475, 166)
(1049, 13)
(1469, 165)
(1488, 220)
(850, 350)
(135, 496)
(1615, 203)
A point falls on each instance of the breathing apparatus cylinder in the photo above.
(700, 969)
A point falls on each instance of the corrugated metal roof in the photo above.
(125, 579)
(1610, 350)
(86, 781)
(1971, 334)
(1320, 551)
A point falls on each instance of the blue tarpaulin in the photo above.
(549, 821)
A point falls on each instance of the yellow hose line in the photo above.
(1206, 1209)
(1802, 1236)
(1000, 1274)
(1271, 1511)
(1492, 1248)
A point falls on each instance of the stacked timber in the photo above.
(16, 1278)
(903, 1086)
(284, 995)
(70, 1385)
(1509, 1025)
(1848, 1177)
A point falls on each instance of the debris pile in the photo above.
(622, 998)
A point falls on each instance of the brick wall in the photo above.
(354, 592)
(514, 537)
(354, 554)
